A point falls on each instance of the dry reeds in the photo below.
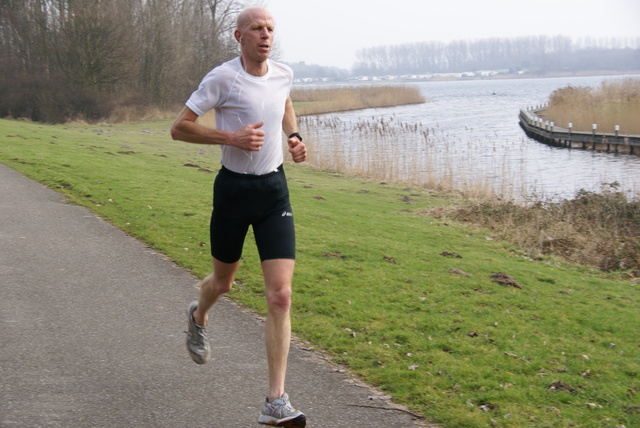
(386, 149)
(594, 229)
(320, 100)
(614, 103)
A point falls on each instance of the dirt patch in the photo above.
(562, 386)
(506, 280)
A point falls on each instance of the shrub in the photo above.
(34, 97)
(597, 229)
(614, 103)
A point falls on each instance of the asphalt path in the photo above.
(92, 328)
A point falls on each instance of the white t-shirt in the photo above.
(240, 99)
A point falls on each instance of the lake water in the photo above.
(467, 136)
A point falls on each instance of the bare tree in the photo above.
(64, 57)
(91, 43)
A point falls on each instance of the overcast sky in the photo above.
(329, 32)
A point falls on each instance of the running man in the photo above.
(250, 97)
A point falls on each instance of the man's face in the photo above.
(257, 36)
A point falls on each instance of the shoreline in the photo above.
(510, 76)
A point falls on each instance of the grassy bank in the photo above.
(318, 100)
(614, 103)
(462, 327)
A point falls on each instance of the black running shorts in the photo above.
(262, 201)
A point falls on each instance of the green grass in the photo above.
(372, 286)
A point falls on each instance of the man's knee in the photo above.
(279, 299)
(223, 286)
(277, 276)
(221, 280)
(217, 285)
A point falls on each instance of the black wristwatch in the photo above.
(295, 134)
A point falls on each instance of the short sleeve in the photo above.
(209, 93)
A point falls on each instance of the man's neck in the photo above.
(254, 68)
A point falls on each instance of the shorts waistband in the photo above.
(227, 171)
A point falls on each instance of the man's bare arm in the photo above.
(185, 128)
(297, 148)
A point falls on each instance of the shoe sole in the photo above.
(298, 422)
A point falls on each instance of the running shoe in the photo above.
(280, 413)
(197, 343)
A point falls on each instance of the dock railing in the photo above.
(548, 132)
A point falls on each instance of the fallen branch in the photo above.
(415, 415)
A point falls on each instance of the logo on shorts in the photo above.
(287, 214)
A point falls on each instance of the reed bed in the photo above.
(601, 230)
(411, 153)
(614, 103)
(318, 100)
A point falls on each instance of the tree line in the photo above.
(539, 54)
(67, 59)
(63, 59)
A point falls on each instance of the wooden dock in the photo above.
(548, 133)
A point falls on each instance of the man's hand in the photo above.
(251, 137)
(297, 149)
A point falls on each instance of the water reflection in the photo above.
(467, 136)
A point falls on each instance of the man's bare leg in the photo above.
(213, 287)
(278, 275)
